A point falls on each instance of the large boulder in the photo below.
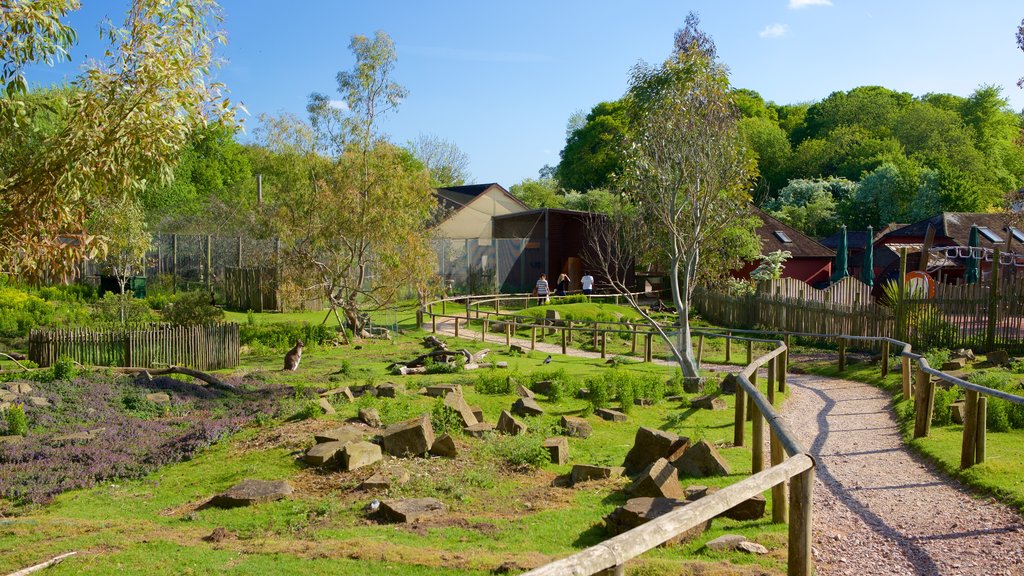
(659, 480)
(323, 453)
(998, 358)
(639, 511)
(610, 415)
(344, 434)
(508, 424)
(649, 445)
(249, 492)
(527, 407)
(444, 446)
(442, 390)
(701, 459)
(558, 448)
(326, 406)
(728, 384)
(709, 402)
(410, 510)
(359, 454)
(19, 388)
(576, 427)
(456, 402)
(370, 416)
(523, 391)
(387, 390)
(412, 437)
(586, 472)
(480, 430)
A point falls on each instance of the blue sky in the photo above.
(501, 79)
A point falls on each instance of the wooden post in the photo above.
(648, 353)
(564, 336)
(905, 370)
(240, 253)
(174, 263)
(842, 354)
(483, 330)
(750, 398)
(780, 513)
(925, 390)
(771, 381)
(728, 347)
(740, 417)
(456, 327)
(632, 348)
(750, 352)
(533, 337)
(757, 438)
(508, 333)
(209, 263)
(700, 349)
(901, 308)
(801, 492)
(970, 441)
(885, 358)
(444, 306)
(993, 301)
(784, 365)
(981, 429)
(468, 311)
(604, 343)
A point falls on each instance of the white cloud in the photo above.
(797, 4)
(339, 104)
(773, 31)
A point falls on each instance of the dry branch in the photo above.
(51, 562)
(213, 381)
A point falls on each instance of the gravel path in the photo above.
(878, 509)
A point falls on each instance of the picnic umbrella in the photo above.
(971, 268)
(840, 270)
(867, 269)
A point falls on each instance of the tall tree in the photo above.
(688, 174)
(593, 152)
(448, 165)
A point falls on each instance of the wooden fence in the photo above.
(251, 289)
(209, 347)
(848, 291)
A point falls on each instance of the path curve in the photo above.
(878, 508)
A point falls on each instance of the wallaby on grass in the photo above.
(291, 359)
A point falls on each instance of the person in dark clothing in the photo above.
(562, 286)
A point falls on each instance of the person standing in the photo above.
(562, 286)
(540, 290)
(588, 283)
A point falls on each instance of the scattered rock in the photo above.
(218, 535)
(725, 542)
(501, 364)
(327, 407)
(249, 492)
(659, 480)
(508, 424)
(323, 453)
(701, 459)
(543, 387)
(410, 510)
(480, 430)
(478, 413)
(998, 358)
(523, 391)
(509, 568)
(159, 398)
(343, 391)
(576, 427)
(709, 402)
(442, 390)
(585, 472)
(583, 393)
(444, 446)
(516, 349)
(370, 416)
(7, 395)
(387, 390)
(965, 353)
(38, 402)
(456, 402)
(728, 384)
(19, 388)
(610, 415)
(750, 509)
(558, 448)
(693, 384)
(527, 407)
(956, 411)
(412, 437)
(552, 318)
(639, 511)
(649, 445)
(356, 455)
(751, 547)
(384, 480)
(344, 434)
(954, 364)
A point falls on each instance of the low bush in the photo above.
(17, 422)
(494, 381)
(282, 335)
(943, 398)
(520, 451)
(444, 419)
(64, 368)
(192, 308)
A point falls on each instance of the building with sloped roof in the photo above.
(811, 261)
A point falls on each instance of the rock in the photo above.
(370, 416)
(583, 393)
(357, 391)
(956, 411)
(558, 448)
(358, 454)
(456, 402)
(725, 542)
(323, 453)
(543, 387)
(965, 353)
(649, 445)
(516, 349)
(507, 424)
(695, 492)
(19, 388)
(954, 364)
(501, 364)
(585, 472)
(219, 534)
(751, 547)
(249, 492)
(478, 413)
(728, 384)
(701, 459)
(444, 446)
(659, 480)
(709, 402)
(576, 427)
(610, 415)
(750, 509)
(643, 402)
(412, 437)
(442, 390)
(385, 479)
(693, 384)
(523, 391)
(387, 390)
(10, 439)
(344, 434)
(326, 405)
(527, 407)
(7, 395)
(410, 510)
(159, 398)
(38, 402)
(998, 358)
(344, 391)
(552, 318)
(639, 511)
(480, 430)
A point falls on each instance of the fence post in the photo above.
(740, 418)
(750, 351)
(468, 311)
(508, 333)
(700, 349)
(771, 381)
(648, 353)
(979, 444)
(240, 255)
(757, 438)
(563, 340)
(533, 337)
(842, 354)
(784, 365)
(632, 348)
(456, 319)
(780, 513)
(209, 263)
(728, 347)
(174, 263)
(901, 308)
(433, 322)
(885, 358)
(750, 398)
(971, 425)
(801, 492)
(905, 370)
(483, 330)
(923, 402)
(993, 302)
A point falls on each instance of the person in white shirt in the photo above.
(540, 290)
(588, 284)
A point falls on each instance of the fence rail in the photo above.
(208, 347)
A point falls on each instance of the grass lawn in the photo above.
(1002, 473)
(497, 513)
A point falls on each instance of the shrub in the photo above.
(158, 301)
(17, 422)
(943, 398)
(121, 308)
(64, 368)
(626, 387)
(494, 381)
(997, 417)
(650, 387)
(20, 312)
(520, 452)
(192, 308)
(445, 367)
(600, 392)
(562, 383)
(444, 418)
(308, 409)
(282, 335)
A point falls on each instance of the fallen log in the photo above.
(51, 562)
(211, 380)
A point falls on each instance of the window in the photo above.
(992, 237)
(783, 236)
(1017, 234)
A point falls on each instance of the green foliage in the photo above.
(17, 422)
(771, 265)
(282, 335)
(520, 451)
(192, 308)
(539, 193)
(123, 308)
(444, 419)
(627, 392)
(434, 367)
(308, 409)
(601, 390)
(593, 151)
(943, 398)
(494, 381)
(64, 368)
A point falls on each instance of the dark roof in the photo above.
(538, 211)
(955, 228)
(454, 198)
(800, 245)
(855, 238)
